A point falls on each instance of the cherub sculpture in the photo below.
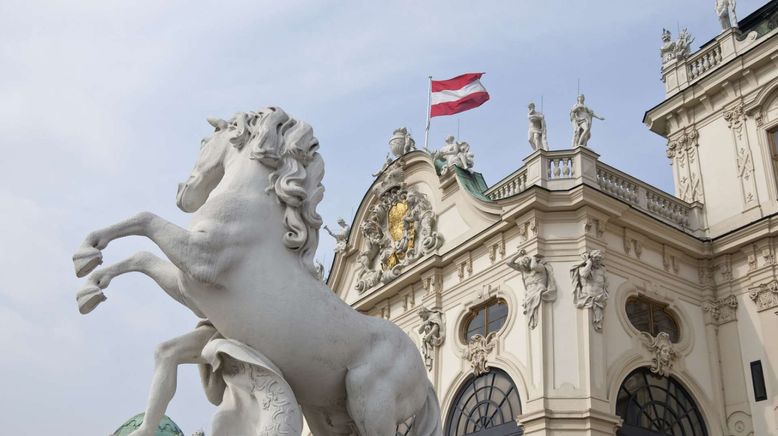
(454, 153)
(341, 238)
(590, 285)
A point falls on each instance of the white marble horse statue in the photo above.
(245, 266)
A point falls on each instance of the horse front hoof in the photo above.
(88, 298)
(86, 259)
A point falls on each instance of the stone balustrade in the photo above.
(564, 169)
(703, 61)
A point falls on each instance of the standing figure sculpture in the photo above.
(341, 238)
(581, 118)
(590, 285)
(243, 266)
(725, 10)
(432, 331)
(539, 283)
(537, 136)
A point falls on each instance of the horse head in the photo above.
(288, 151)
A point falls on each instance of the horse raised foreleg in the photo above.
(164, 273)
(181, 350)
(173, 240)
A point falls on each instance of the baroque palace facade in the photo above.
(573, 299)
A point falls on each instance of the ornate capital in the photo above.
(478, 349)
(734, 116)
(720, 310)
(765, 296)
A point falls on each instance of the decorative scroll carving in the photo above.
(400, 228)
(433, 333)
(765, 296)
(683, 150)
(478, 349)
(590, 286)
(539, 283)
(735, 118)
(720, 310)
(664, 353)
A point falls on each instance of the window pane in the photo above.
(663, 322)
(476, 326)
(639, 314)
(498, 313)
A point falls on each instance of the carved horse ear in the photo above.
(217, 123)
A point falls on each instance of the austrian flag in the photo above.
(457, 95)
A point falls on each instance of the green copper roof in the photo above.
(474, 183)
(166, 427)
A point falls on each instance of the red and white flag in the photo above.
(457, 95)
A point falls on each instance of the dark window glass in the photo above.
(487, 318)
(651, 317)
(485, 405)
(774, 138)
(654, 405)
(757, 379)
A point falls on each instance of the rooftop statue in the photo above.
(537, 135)
(581, 118)
(454, 153)
(725, 10)
(675, 50)
(401, 142)
(341, 238)
(243, 266)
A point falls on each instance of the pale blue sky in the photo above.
(103, 105)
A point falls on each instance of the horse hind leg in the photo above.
(371, 402)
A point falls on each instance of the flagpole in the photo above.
(429, 107)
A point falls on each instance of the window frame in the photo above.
(473, 313)
(654, 305)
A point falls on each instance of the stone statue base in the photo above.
(256, 399)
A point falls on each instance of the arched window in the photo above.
(651, 405)
(651, 317)
(486, 405)
(486, 318)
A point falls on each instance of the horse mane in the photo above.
(288, 147)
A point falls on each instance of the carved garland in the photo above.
(765, 296)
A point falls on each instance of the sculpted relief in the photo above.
(539, 283)
(400, 228)
(590, 286)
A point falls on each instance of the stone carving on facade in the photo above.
(663, 351)
(735, 118)
(432, 332)
(267, 164)
(454, 153)
(581, 118)
(678, 49)
(400, 228)
(590, 286)
(725, 10)
(341, 237)
(682, 149)
(765, 296)
(477, 352)
(401, 142)
(537, 134)
(539, 283)
(720, 310)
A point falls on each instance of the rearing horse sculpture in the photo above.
(245, 265)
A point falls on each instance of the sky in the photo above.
(103, 105)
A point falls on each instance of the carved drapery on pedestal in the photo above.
(477, 352)
(720, 310)
(765, 296)
(682, 150)
(735, 118)
(399, 229)
(663, 352)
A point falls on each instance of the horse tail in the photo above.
(427, 421)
